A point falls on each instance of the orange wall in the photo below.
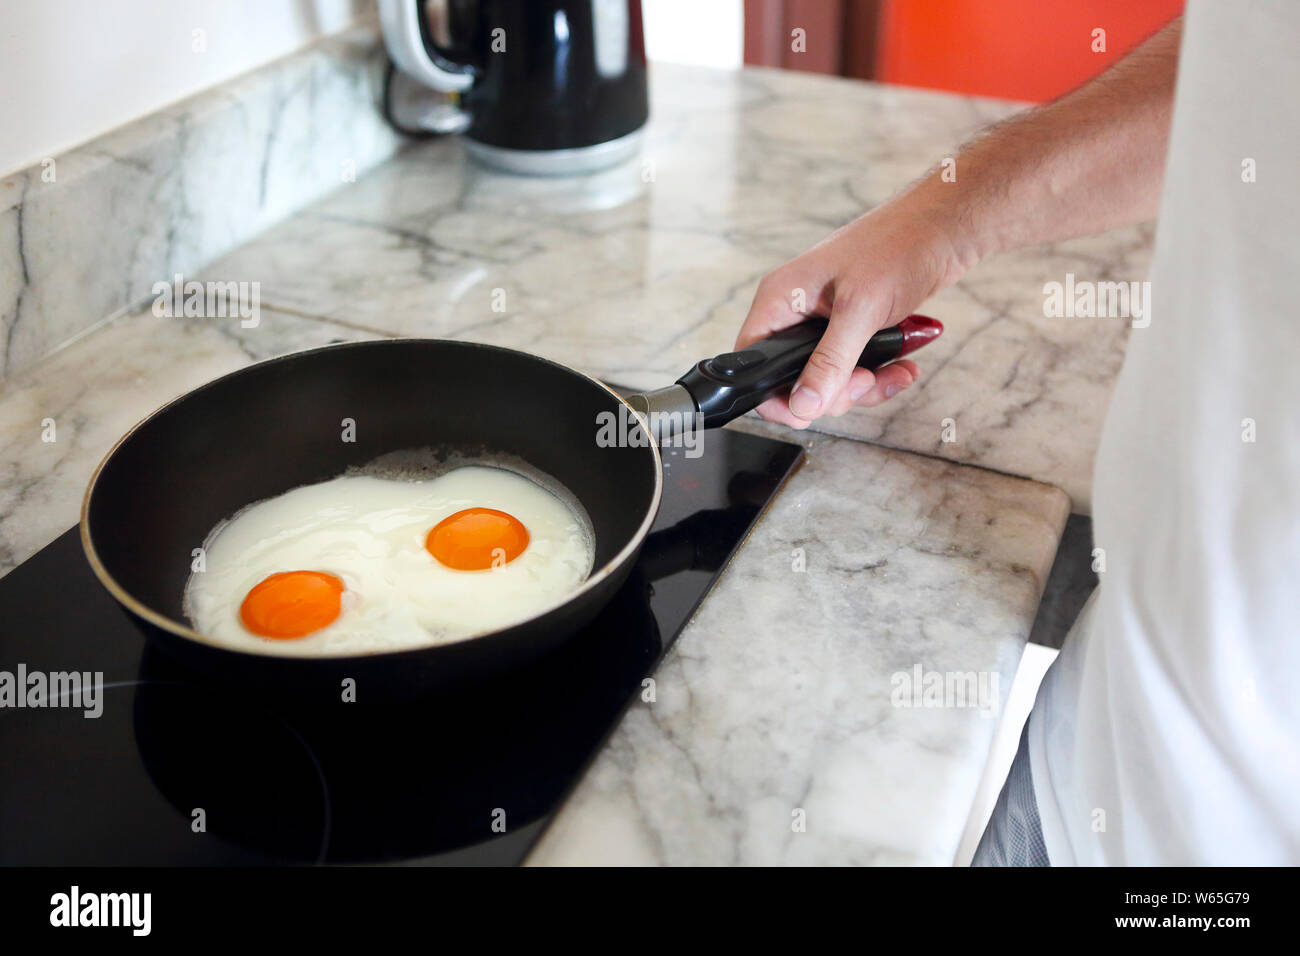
(1017, 49)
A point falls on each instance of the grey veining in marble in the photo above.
(88, 236)
(776, 707)
(637, 272)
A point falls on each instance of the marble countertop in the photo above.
(783, 729)
(790, 724)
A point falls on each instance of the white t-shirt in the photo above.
(1168, 731)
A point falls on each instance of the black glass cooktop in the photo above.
(177, 770)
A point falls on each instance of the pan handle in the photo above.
(726, 386)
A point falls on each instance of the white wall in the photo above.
(707, 32)
(73, 69)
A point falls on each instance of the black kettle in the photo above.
(542, 87)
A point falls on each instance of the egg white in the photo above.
(370, 532)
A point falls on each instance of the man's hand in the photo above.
(867, 276)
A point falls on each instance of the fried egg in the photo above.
(362, 564)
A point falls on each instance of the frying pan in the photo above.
(279, 424)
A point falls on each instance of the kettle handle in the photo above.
(405, 37)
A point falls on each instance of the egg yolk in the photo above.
(477, 539)
(292, 604)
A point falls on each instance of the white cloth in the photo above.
(1168, 730)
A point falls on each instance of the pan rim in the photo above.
(171, 626)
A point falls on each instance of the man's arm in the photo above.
(1090, 161)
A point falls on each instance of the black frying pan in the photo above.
(276, 425)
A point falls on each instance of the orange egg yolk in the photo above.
(477, 539)
(292, 604)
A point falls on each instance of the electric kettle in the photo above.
(542, 87)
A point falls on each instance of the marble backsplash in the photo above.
(85, 235)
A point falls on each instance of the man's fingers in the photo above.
(832, 363)
(783, 298)
(890, 380)
(866, 389)
(769, 312)
(861, 381)
(776, 410)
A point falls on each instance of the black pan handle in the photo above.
(726, 386)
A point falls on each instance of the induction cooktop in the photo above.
(179, 770)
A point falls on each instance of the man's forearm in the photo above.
(1090, 161)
